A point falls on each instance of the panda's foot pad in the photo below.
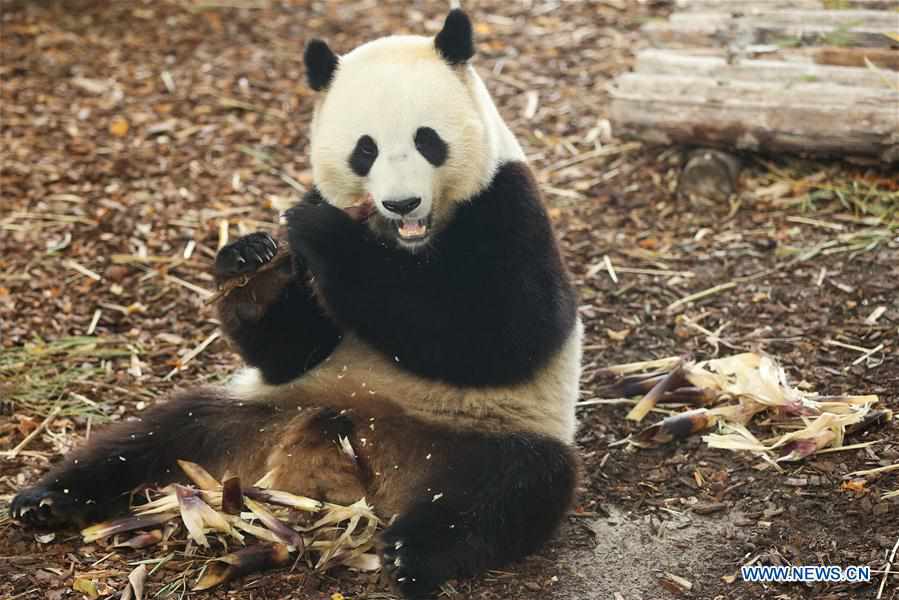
(42, 508)
(415, 567)
(245, 255)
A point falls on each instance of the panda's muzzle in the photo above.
(409, 230)
(402, 207)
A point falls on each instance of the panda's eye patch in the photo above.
(429, 143)
(363, 156)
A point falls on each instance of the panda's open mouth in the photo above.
(413, 230)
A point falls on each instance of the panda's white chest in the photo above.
(357, 376)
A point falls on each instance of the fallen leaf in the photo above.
(136, 580)
(86, 587)
(119, 127)
(26, 424)
(854, 485)
(483, 28)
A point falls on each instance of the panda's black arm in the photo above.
(274, 320)
(488, 304)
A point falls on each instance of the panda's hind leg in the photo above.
(203, 426)
(488, 499)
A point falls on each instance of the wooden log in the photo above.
(876, 20)
(685, 63)
(732, 6)
(856, 57)
(807, 118)
(882, 58)
(793, 28)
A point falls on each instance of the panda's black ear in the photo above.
(321, 63)
(455, 42)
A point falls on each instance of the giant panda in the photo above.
(437, 331)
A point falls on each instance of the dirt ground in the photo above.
(134, 134)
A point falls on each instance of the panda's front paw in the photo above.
(246, 255)
(415, 564)
(43, 508)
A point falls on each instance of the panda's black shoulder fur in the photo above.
(488, 302)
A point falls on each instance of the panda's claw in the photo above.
(245, 255)
(41, 508)
(413, 570)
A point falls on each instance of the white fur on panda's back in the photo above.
(355, 374)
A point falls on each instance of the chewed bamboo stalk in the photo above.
(141, 540)
(336, 513)
(825, 431)
(232, 496)
(692, 395)
(287, 535)
(671, 381)
(254, 559)
(730, 392)
(683, 425)
(200, 476)
(284, 499)
(632, 385)
(267, 480)
(199, 516)
(799, 449)
(130, 523)
(875, 418)
(349, 545)
(168, 501)
(366, 561)
(342, 535)
(662, 364)
(675, 427)
(735, 437)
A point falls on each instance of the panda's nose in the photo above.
(402, 207)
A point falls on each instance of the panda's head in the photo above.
(405, 123)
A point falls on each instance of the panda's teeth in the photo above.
(413, 228)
